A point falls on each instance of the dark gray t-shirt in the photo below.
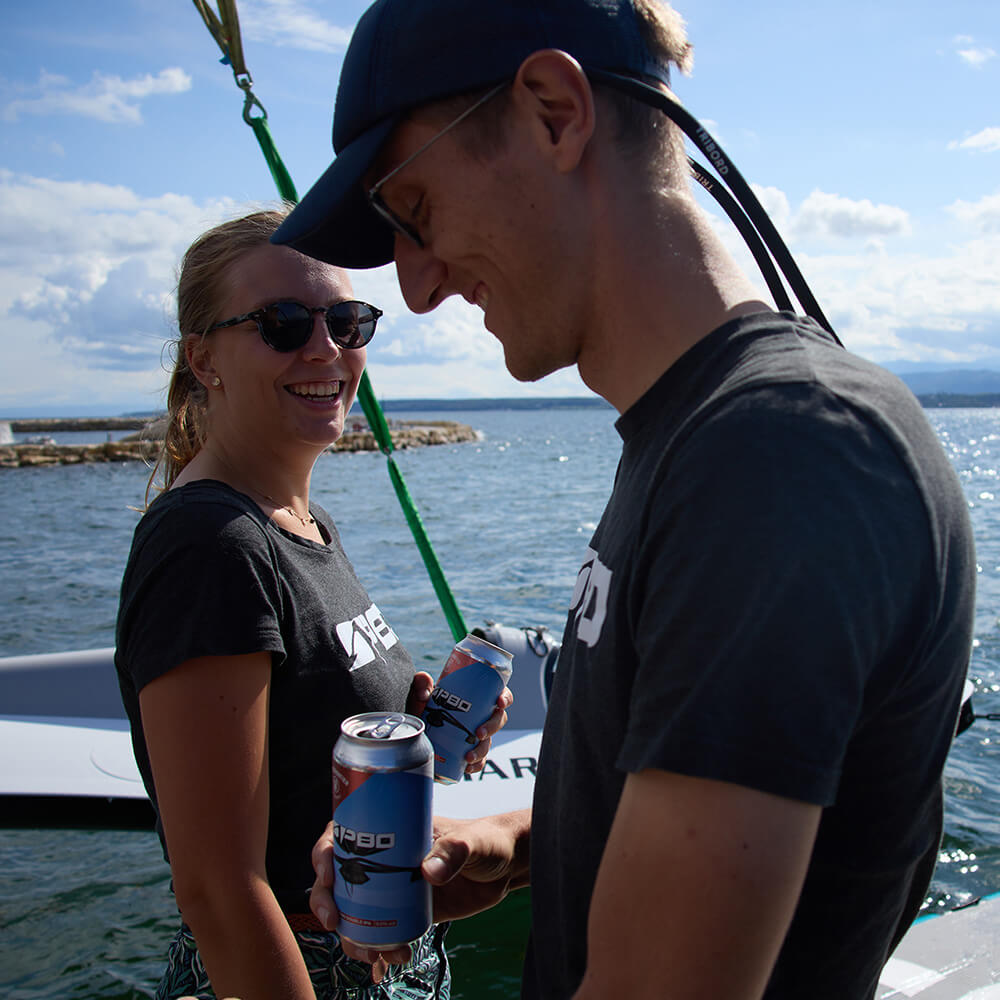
(779, 595)
(210, 575)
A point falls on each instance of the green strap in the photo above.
(226, 32)
(282, 179)
(376, 418)
(444, 595)
(383, 436)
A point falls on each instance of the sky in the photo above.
(869, 131)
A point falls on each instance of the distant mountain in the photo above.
(526, 403)
(959, 381)
(950, 387)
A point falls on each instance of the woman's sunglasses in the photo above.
(287, 326)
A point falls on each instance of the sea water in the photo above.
(88, 914)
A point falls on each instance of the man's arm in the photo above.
(696, 889)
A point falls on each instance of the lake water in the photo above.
(87, 914)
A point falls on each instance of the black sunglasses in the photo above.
(288, 325)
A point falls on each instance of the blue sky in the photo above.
(871, 132)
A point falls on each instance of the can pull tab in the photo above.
(385, 728)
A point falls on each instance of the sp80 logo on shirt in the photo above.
(366, 637)
(589, 604)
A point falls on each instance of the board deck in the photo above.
(949, 956)
(72, 758)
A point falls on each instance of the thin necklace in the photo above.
(305, 521)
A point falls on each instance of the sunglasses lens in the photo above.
(351, 324)
(286, 326)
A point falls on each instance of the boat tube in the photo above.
(66, 751)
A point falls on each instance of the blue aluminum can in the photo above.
(382, 826)
(463, 699)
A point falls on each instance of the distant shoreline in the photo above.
(145, 445)
(136, 421)
(41, 425)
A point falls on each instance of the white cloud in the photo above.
(466, 380)
(971, 52)
(91, 268)
(292, 24)
(453, 332)
(986, 141)
(106, 98)
(898, 302)
(830, 217)
(775, 202)
(943, 307)
(982, 215)
(823, 214)
(87, 273)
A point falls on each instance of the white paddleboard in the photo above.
(66, 752)
(75, 757)
(948, 956)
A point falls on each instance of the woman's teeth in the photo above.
(315, 390)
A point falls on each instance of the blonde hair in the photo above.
(639, 125)
(204, 268)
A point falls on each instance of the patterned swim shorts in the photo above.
(334, 976)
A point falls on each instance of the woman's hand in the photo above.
(325, 910)
(420, 693)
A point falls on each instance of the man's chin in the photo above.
(525, 374)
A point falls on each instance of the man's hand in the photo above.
(472, 866)
(475, 863)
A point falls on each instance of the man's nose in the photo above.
(421, 275)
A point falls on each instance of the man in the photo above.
(739, 786)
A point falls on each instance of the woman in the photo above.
(245, 638)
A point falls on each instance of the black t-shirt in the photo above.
(779, 595)
(210, 575)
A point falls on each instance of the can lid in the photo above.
(383, 726)
(498, 658)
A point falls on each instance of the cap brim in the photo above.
(334, 221)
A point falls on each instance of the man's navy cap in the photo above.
(405, 53)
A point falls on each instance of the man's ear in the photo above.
(553, 89)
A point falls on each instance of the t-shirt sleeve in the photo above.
(200, 582)
(765, 589)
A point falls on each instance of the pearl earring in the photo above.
(216, 382)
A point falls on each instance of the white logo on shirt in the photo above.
(589, 602)
(365, 637)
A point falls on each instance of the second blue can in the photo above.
(463, 699)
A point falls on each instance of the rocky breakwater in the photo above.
(144, 445)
